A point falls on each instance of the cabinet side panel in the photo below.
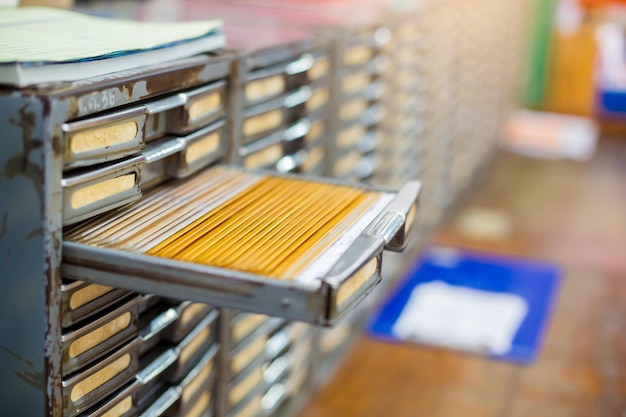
(23, 271)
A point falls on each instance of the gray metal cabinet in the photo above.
(31, 215)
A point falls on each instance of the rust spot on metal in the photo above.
(174, 80)
(128, 90)
(52, 362)
(21, 164)
(155, 121)
(47, 109)
(56, 242)
(57, 141)
(73, 109)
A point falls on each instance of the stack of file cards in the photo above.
(230, 236)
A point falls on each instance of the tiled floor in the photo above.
(568, 212)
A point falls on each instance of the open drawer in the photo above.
(295, 247)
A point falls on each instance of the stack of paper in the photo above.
(42, 45)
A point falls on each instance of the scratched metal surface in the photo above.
(22, 268)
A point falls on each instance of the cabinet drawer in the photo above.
(189, 315)
(265, 84)
(196, 389)
(300, 248)
(84, 389)
(80, 300)
(122, 132)
(262, 120)
(91, 341)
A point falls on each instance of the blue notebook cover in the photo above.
(535, 281)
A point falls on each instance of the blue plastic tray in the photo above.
(535, 281)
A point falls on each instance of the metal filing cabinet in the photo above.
(99, 347)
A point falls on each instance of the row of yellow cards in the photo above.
(272, 226)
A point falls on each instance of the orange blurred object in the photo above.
(600, 3)
(571, 81)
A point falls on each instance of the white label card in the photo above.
(461, 317)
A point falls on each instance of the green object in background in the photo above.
(539, 52)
